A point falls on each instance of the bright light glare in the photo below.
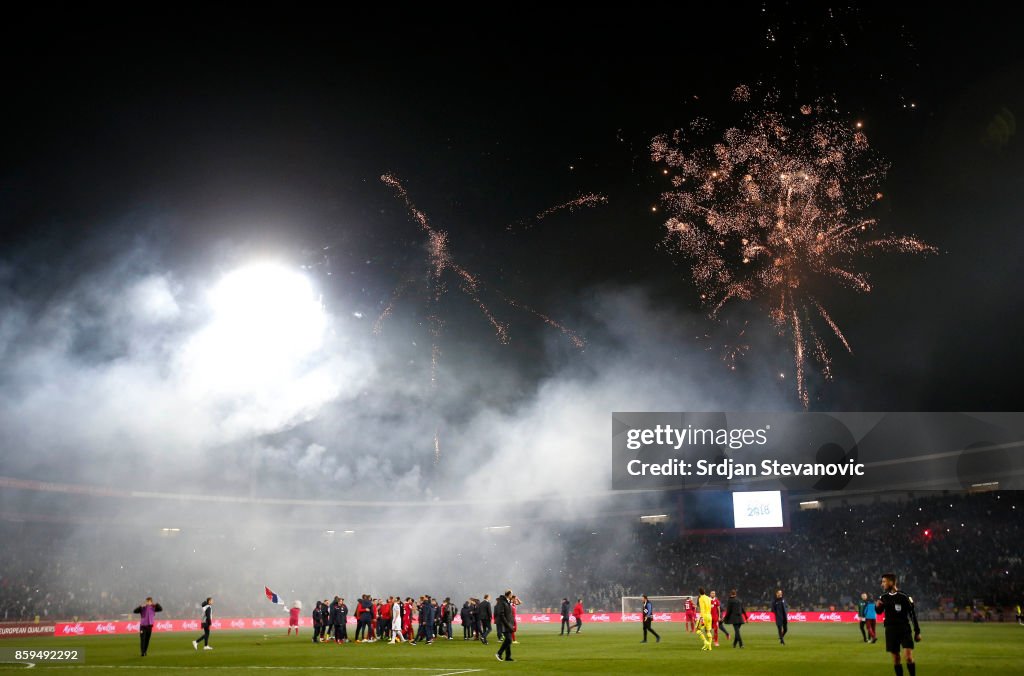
(266, 320)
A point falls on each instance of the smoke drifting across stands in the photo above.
(107, 393)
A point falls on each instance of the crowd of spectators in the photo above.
(951, 553)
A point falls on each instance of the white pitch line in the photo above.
(269, 667)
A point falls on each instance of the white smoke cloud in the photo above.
(128, 378)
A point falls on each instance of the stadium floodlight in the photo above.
(654, 518)
(171, 530)
(348, 532)
(329, 532)
(810, 504)
(265, 320)
(496, 528)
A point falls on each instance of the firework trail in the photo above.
(774, 212)
(574, 338)
(378, 325)
(440, 263)
(586, 201)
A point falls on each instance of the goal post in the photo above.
(662, 604)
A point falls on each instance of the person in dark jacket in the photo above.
(447, 617)
(207, 611)
(648, 619)
(565, 618)
(147, 611)
(467, 623)
(736, 615)
(364, 617)
(318, 621)
(341, 625)
(483, 616)
(429, 616)
(503, 619)
(781, 616)
(326, 629)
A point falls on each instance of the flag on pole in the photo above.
(272, 597)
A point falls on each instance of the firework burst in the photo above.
(776, 212)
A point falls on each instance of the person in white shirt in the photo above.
(396, 621)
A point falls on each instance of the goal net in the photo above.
(662, 604)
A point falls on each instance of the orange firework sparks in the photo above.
(775, 212)
(441, 262)
(586, 201)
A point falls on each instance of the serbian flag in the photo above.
(272, 597)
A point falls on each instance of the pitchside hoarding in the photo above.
(26, 629)
(278, 623)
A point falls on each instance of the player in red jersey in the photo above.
(716, 616)
(373, 619)
(577, 612)
(407, 619)
(385, 619)
(691, 615)
(515, 619)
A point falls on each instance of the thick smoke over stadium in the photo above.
(241, 401)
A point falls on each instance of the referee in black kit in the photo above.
(899, 615)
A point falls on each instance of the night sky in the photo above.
(206, 138)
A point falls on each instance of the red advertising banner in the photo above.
(130, 627)
(810, 616)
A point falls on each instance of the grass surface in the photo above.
(990, 649)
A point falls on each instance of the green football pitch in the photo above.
(990, 649)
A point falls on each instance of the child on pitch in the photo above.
(293, 617)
